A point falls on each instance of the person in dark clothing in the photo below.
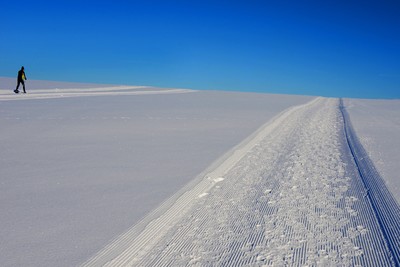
(21, 79)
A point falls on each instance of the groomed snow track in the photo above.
(293, 194)
(385, 206)
(5, 95)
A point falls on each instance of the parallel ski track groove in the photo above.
(386, 208)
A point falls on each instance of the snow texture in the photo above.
(377, 124)
(101, 175)
(81, 165)
(291, 195)
(386, 209)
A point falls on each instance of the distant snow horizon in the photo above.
(8, 83)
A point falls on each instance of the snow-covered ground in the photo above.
(9, 84)
(80, 165)
(291, 195)
(99, 175)
(377, 124)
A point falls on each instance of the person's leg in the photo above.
(23, 85)
(16, 89)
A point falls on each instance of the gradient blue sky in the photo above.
(329, 48)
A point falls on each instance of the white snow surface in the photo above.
(79, 165)
(377, 124)
(103, 175)
(290, 195)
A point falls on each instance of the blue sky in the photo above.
(329, 48)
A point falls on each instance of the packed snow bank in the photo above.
(77, 172)
(377, 125)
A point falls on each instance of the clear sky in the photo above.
(341, 48)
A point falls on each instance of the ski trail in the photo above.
(290, 195)
(107, 91)
(385, 207)
(142, 236)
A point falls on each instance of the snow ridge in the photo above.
(386, 208)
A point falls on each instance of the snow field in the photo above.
(290, 196)
(383, 202)
(90, 167)
(134, 242)
(300, 191)
(376, 124)
(100, 91)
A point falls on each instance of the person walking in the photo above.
(21, 79)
